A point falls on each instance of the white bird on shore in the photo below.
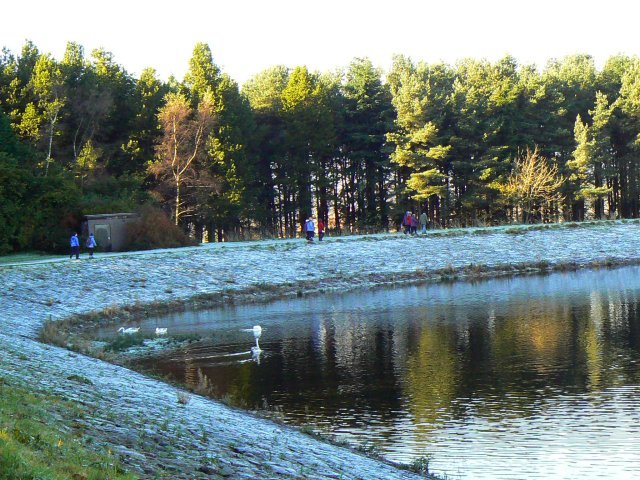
(129, 330)
(161, 331)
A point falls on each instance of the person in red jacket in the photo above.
(320, 229)
(406, 223)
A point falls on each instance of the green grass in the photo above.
(41, 438)
(124, 342)
(25, 257)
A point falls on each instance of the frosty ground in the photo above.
(140, 418)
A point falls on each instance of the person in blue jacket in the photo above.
(91, 244)
(75, 246)
(309, 228)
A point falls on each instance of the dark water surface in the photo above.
(523, 378)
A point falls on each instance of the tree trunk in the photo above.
(51, 132)
(177, 214)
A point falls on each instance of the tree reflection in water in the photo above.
(514, 367)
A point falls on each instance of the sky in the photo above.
(247, 36)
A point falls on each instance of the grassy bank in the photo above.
(25, 257)
(41, 437)
(509, 229)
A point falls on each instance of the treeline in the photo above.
(476, 142)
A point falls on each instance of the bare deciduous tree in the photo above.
(182, 145)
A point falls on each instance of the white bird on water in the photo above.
(129, 330)
(257, 332)
(161, 331)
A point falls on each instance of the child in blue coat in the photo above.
(91, 244)
(75, 246)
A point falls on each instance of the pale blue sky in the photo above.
(247, 36)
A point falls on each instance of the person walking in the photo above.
(75, 246)
(91, 244)
(310, 229)
(406, 222)
(414, 224)
(320, 229)
(423, 223)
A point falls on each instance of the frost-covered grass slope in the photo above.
(131, 408)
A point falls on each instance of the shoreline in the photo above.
(70, 333)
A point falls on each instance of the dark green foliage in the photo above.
(51, 214)
(108, 194)
(35, 212)
(148, 98)
(13, 185)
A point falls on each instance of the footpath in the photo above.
(141, 420)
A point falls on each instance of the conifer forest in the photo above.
(474, 143)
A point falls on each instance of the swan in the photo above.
(257, 332)
(129, 330)
(161, 331)
(255, 354)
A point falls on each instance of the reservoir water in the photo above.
(518, 378)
